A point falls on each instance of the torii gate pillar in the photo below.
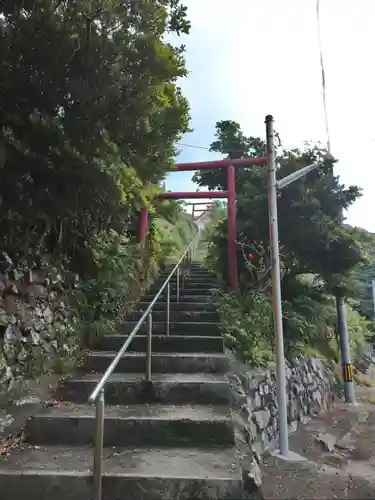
(232, 231)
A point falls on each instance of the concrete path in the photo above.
(339, 447)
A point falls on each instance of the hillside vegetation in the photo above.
(89, 116)
(321, 257)
(363, 276)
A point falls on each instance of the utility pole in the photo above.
(373, 298)
(347, 367)
(273, 187)
(276, 289)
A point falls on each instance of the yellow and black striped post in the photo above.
(347, 372)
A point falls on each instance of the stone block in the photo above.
(261, 418)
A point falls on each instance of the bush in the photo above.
(309, 327)
(358, 329)
(247, 327)
(103, 297)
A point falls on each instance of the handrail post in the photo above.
(168, 305)
(178, 285)
(183, 270)
(149, 349)
(98, 452)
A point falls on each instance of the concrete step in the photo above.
(195, 271)
(204, 278)
(135, 362)
(193, 291)
(202, 275)
(200, 278)
(131, 388)
(198, 297)
(195, 285)
(165, 343)
(176, 328)
(136, 425)
(183, 291)
(64, 473)
(186, 272)
(187, 298)
(179, 316)
(178, 306)
(199, 283)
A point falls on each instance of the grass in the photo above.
(364, 380)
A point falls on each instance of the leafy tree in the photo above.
(312, 236)
(364, 274)
(313, 239)
(217, 212)
(89, 113)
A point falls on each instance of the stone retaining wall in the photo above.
(311, 386)
(37, 329)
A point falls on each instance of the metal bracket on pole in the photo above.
(296, 175)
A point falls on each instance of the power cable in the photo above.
(277, 135)
(192, 146)
(323, 76)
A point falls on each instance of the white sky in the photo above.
(249, 58)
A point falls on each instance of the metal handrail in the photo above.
(97, 395)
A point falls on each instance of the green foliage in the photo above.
(358, 328)
(312, 236)
(318, 252)
(106, 298)
(364, 274)
(86, 119)
(246, 324)
(216, 214)
(90, 112)
(46, 332)
(103, 297)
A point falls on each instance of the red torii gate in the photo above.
(201, 211)
(229, 194)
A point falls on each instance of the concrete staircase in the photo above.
(169, 439)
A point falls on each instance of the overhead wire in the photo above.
(324, 92)
(184, 145)
(192, 146)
